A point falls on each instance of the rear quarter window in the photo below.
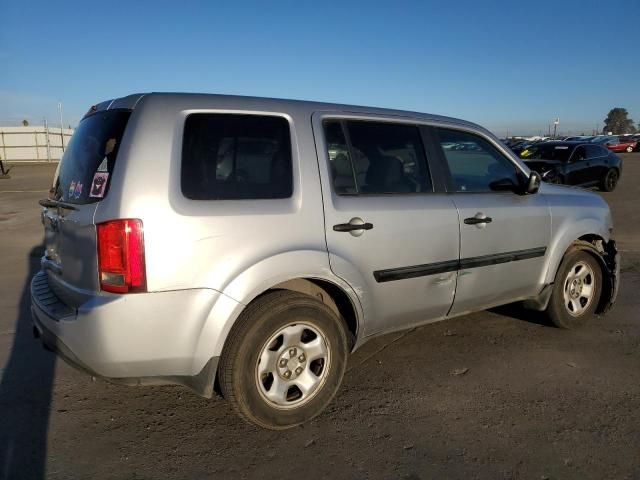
(236, 157)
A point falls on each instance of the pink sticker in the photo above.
(72, 189)
(99, 184)
(78, 190)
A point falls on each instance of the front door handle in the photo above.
(355, 227)
(478, 219)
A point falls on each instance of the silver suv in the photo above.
(250, 244)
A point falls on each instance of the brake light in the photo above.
(121, 256)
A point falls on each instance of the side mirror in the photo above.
(533, 183)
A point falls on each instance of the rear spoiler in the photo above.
(125, 103)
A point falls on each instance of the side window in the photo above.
(232, 157)
(381, 158)
(342, 172)
(594, 151)
(475, 164)
(579, 154)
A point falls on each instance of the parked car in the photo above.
(603, 139)
(576, 163)
(621, 145)
(523, 146)
(253, 243)
(578, 138)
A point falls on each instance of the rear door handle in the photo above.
(355, 227)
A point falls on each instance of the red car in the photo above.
(622, 145)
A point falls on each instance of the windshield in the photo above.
(550, 152)
(87, 163)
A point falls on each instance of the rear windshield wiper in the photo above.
(48, 203)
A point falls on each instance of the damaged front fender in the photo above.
(610, 259)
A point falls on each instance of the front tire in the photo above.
(576, 291)
(284, 360)
(610, 181)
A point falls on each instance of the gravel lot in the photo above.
(536, 402)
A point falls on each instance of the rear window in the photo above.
(87, 164)
(235, 157)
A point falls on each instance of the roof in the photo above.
(131, 101)
(565, 142)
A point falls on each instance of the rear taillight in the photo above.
(121, 256)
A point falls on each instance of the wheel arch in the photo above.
(304, 271)
(567, 229)
(330, 294)
(605, 253)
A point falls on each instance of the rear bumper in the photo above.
(201, 383)
(53, 343)
(136, 339)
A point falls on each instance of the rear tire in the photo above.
(610, 181)
(576, 291)
(284, 360)
(629, 149)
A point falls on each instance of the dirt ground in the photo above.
(536, 402)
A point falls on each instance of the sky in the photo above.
(512, 66)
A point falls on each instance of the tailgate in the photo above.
(81, 182)
(70, 259)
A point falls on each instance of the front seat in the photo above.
(386, 175)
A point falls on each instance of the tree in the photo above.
(25, 123)
(618, 122)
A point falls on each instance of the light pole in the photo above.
(555, 126)
(46, 136)
(61, 126)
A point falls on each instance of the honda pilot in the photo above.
(248, 245)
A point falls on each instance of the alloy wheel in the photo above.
(579, 288)
(293, 365)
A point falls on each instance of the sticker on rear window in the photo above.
(72, 188)
(103, 166)
(78, 190)
(99, 184)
